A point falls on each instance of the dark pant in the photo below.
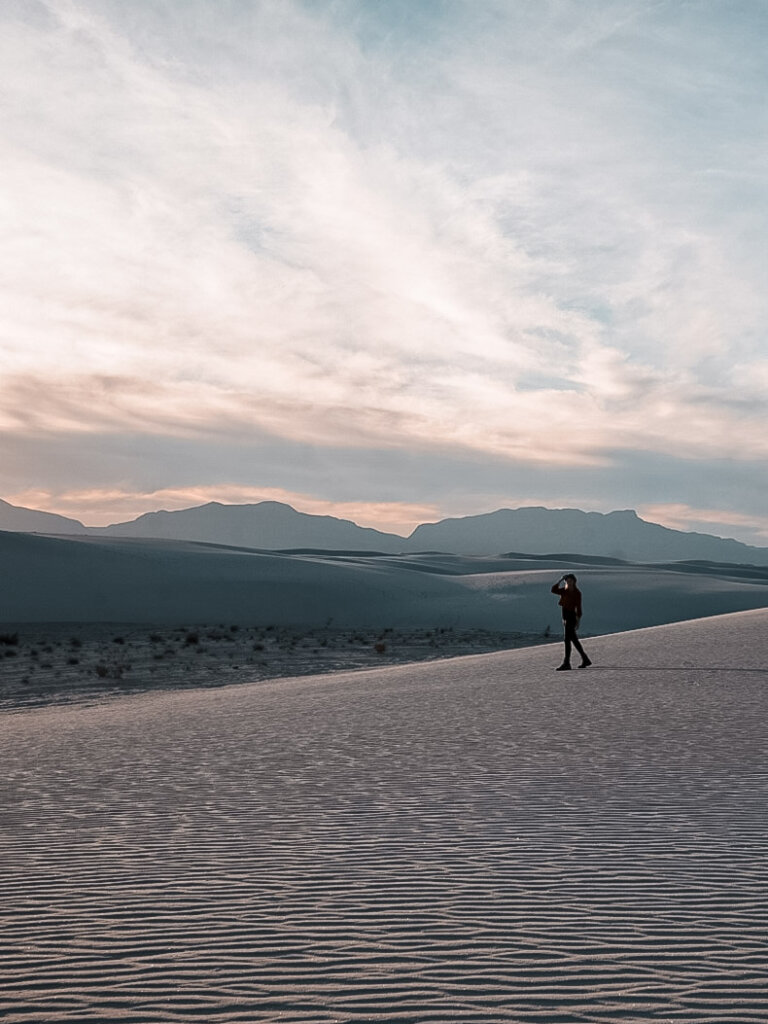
(570, 623)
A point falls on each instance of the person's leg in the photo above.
(585, 662)
(567, 633)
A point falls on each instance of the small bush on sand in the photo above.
(191, 638)
(108, 671)
(9, 639)
(380, 647)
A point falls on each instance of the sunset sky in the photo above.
(392, 260)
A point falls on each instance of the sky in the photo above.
(389, 260)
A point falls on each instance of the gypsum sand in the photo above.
(473, 839)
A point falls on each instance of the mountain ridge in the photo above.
(537, 530)
(16, 519)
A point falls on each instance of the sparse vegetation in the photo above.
(9, 639)
(108, 671)
(57, 662)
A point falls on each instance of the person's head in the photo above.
(570, 580)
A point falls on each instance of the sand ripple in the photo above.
(475, 840)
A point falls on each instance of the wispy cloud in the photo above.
(513, 230)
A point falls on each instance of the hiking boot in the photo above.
(565, 667)
(585, 662)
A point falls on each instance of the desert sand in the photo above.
(81, 618)
(122, 580)
(474, 839)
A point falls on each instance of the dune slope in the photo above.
(476, 840)
(54, 579)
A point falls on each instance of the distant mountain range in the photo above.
(271, 525)
(27, 520)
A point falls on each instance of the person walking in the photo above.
(570, 602)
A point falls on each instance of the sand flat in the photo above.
(480, 839)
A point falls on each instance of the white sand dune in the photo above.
(476, 840)
(48, 579)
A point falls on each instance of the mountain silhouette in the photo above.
(271, 525)
(16, 519)
(621, 534)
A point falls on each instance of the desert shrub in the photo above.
(108, 671)
(11, 653)
(192, 638)
(380, 647)
(234, 629)
(73, 661)
(9, 639)
(258, 647)
(118, 639)
(75, 641)
(155, 638)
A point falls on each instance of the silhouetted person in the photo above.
(570, 602)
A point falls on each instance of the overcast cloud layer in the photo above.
(390, 260)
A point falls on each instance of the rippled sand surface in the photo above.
(481, 839)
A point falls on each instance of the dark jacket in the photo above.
(570, 599)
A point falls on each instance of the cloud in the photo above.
(507, 232)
